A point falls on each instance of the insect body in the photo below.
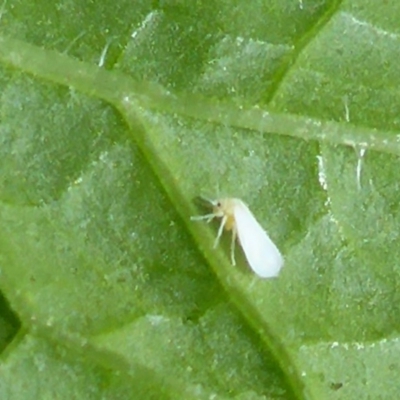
(261, 253)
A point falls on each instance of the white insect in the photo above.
(261, 253)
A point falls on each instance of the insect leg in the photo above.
(221, 228)
(233, 241)
(208, 217)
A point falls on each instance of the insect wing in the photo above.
(261, 253)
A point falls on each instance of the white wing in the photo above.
(262, 255)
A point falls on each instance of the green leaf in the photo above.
(114, 118)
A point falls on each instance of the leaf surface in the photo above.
(114, 118)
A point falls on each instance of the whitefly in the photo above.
(261, 253)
